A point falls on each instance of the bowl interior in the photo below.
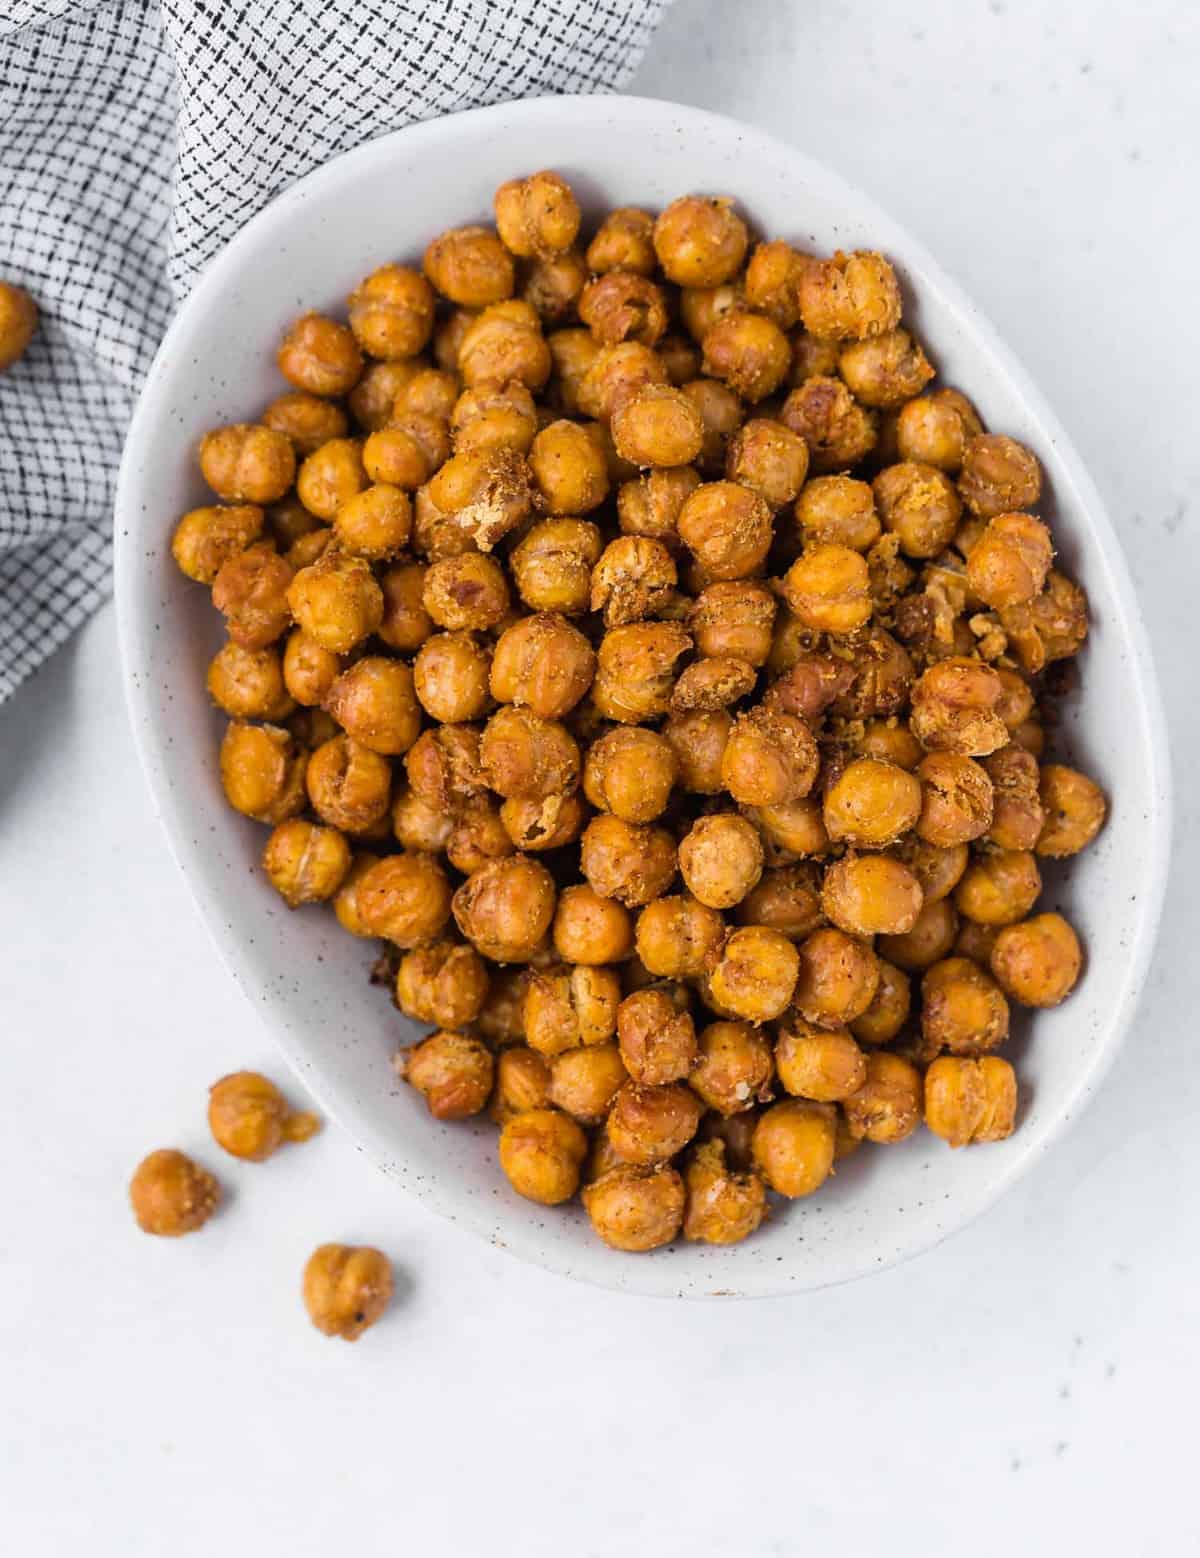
(309, 980)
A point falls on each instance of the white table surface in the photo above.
(1028, 1384)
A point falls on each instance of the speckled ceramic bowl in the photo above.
(309, 980)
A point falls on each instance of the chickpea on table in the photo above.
(627, 630)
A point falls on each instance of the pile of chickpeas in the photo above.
(627, 636)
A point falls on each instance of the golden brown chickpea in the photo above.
(543, 663)
(374, 703)
(470, 266)
(505, 908)
(734, 619)
(405, 624)
(552, 566)
(837, 978)
(869, 895)
(1009, 563)
(542, 1153)
(172, 1195)
(956, 799)
(244, 463)
(700, 241)
(405, 899)
(522, 1083)
(734, 1068)
(963, 1009)
(468, 592)
(889, 1008)
(320, 355)
(477, 835)
(374, 523)
(553, 286)
(680, 358)
(250, 1118)
(251, 592)
(623, 306)
(433, 393)
(998, 475)
(418, 825)
(348, 785)
(721, 414)
(679, 938)
(308, 548)
(657, 1040)
(564, 1007)
(449, 330)
(331, 476)
(443, 983)
(773, 281)
(885, 370)
(658, 425)
(749, 352)
(632, 579)
(616, 373)
(631, 862)
(549, 822)
(787, 899)
(590, 929)
(407, 451)
(1038, 961)
(828, 589)
(812, 358)
(346, 1289)
(1075, 809)
(18, 321)
(494, 416)
(768, 458)
(391, 312)
(207, 538)
(635, 670)
(650, 505)
(249, 683)
(450, 677)
(262, 772)
(305, 863)
(954, 707)
(754, 976)
(850, 297)
(713, 684)
(572, 353)
(584, 1082)
(1017, 813)
(931, 938)
(872, 804)
(976, 941)
(970, 1100)
(504, 343)
(890, 742)
(1053, 626)
(526, 757)
(636, 1209)
(793, 1146)
(451, 1071)
(917, 503)
(838, 431)
(537, 216)
(372, 400)
(793, 830)
(838, 511)
(307, 420)
(624, 241)
(936, 429)
(723, 1207)
(698, 740)
(482, 496)
(937, 868)
(701, 307)
(999, 888)
(769, 759)
(444, 768)
(721, 859)
(629, 772)
(651, 1124)
(887, 1108)
(821, 1064)
(727, 528)
(568, 469)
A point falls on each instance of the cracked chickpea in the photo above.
(657, 1039)
(305, 863)
(649, 505)
(723, 1206)
(565, 1006)
(453, 1072)
(998, 475)
(346, 1289)
(727, 528)
(444, 983)
(631, 862)
(336, 601)
(970, 1100)
(542, 663)
(249, 683)
(250, 1118)
(963, 1009)
(733, 1068)
(620, 306)
(838, 430)
(207, 538)
(636, 1209)
(935, 429)
(887, 1107)
(348, 785)
(262, 771)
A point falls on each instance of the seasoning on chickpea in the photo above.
(453, 1072)
(1075, 810)
(828, 588)
(721, 859)
(872, 804)
(700, 241)
(749, 352)
(635, 670)
(374, 703)
(970, 1100)
(769, 759)
(244, 464)
(849, 297)
(349, 786)
(998, 475)
(727, 528)
(305, 863)
(793, 1146)
(723, 1206)
(887, 1107)
(935, 429)
(821, 1064)
(657, 1040)
(963, 1009)
(443, 983)
(636, 1209)
(249, 683)
(954, 708)
(630, 772)
(262, 771)
(171, 1194)
(405, 898)
(734, 1067)
(754, 976)
(346, 1289)
(869, 895)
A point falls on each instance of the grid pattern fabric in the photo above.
(136, 137)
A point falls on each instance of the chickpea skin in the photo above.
(769, 759)
(954, 708)
(537, 216)
(444, 983)
(631, 862)
(700, 241)
(749, 352)
(636, 1209)
(1018, 814)
(171, 1194)
(935, 429)
(250, 1118)
(872, 804)
(657, 1040)
(305, 863)
(721, 859)
(348, 786)
(262, 771)
(321, 356)
(506, 908)
(1038, 961)
(470, 267)
(886, 370)
(823, 1065)
(828, 588)
(336, 601)
(542, 1153)
(590, 929)
(249, 683)
(793, 1146)
(544, 664)
(678, 937)
(887, 1108)
(346, 1289)
(998, 475)
(405, 899)
(970, 1100)
(391, 312)
(243, 463)
(768, 458)
(525, 757)
(623, 306)
(733, 1068)
(648, 1125)
(727, 528)
(630, 773)
(1075, 810)
(734, 618)
(963, 1009)
(723, 1207)
(868, 895)
(956, 799)
(207, 538)
(755, 975)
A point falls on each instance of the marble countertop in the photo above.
(1021, 1387)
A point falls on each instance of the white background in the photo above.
(1029, 1385)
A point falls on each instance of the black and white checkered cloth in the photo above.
(136, 136)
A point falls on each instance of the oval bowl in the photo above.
(383, 201)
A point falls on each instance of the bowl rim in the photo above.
(1103, 546)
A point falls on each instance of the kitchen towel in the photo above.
(136, 137)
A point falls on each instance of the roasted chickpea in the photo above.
(636, 1209)
(348, 785)
(590, 929)
(405, 899)
(450, 677)
(405, 452)
(476, 834)
(1009, 563)
(956, 799)
(251, 592)
(820, 1064)
(331, 476)
(999, 888)
(918, 504)
(584, 1082)
(769, 759)
(1038, 961)
(542, 1153)
(698, 740)
(623, 306)
(885, 370)
(494, 416)
(443, 983)
(658, 425)
(481, 496)
(172, 1195)
(553, 286)
(651, 1124)
(889, 1008)
(749, 352)
(837, 978)
(631, 862)
(701, 307)
(624, 241)
(954, 708)
(470, 266)
(444, 767)
(546, 823)
(552, 566)
(1017, 812)
(773, 281)
(937, 868)
(970, 1100)
(614, 374)
(307, 420)
(372, 400)
(872, 804)
(786, 899)
(524, 756)
(1075, 809)
(657, 1040)
(1052, 626)
(769, 459)
(734, 1067)
(374, 703)
(451, 1071)
(375, 523)
(930, 938)
(262, 771)
(418, 825)
(469, 592)
(632, 580)
(249, 683)
(522, 1083)
(206, 539)
(887, 1107)
(700, 241)
(320, 355)
(998, 475)
(629, 772)
(346, 1289)
(828, 589)
(505, 908)
(650, 505)
(247, 464)
(635, 670)
(678, 937)
(544, 663)
(963, 1009)
(567, 1006)
(568, 469)
(723, 1207)
(680, 358)
(504, 343)
(754, 976)
(838, 431)
(935, 429)
(538, 215)
(793, 830)
(812, 358)
(793, 1146)
(868, 895)
(572, 353)
(890, 742)
(838, 511)
(727, 528)
(976, 941)
(391, 312)
(733, 619)
(404, 624)
(850, 297)
(721, 414)
(250, 1118)
(305, 863)
(18, 321)
(721, 859)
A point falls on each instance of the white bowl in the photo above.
(307, 978)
